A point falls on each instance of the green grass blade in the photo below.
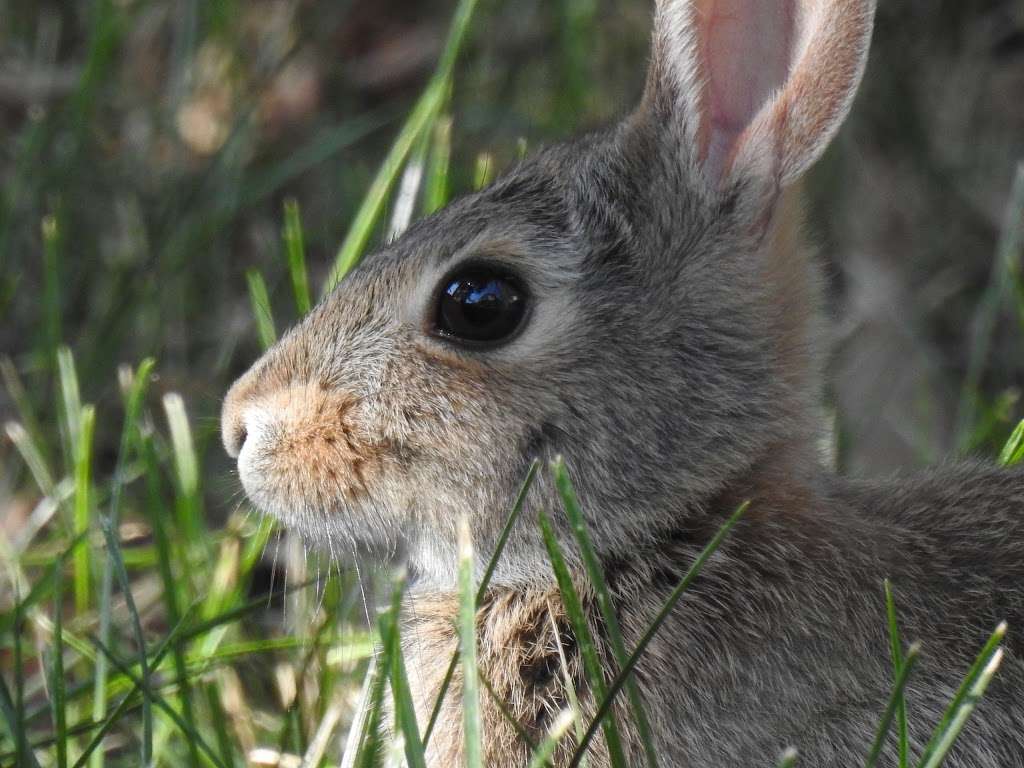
(40, 590)
(137, 386)
(947, 737)
(9, 709)
(652, 630)
(471, 728)
(405, 713)
(354, 245)
(370, 743)
(208, 625)
(83, 509)
(391, 633)
(114, 554)
(604, 602)
(588, 650)
(436, 185)
(485, 582)
(965, 697)
(369, 746)
(542, 755)
(1013, 451)
(219, 720)
(483, 172)
(510, 521)
(58, 691)
(256, 543)
(192, 736)
(357, 728)
(567, 681)
(505, 712)
(421, 119)
(20, 731)
(896, 699)
(295, 250)
(175, 591)
(71, 402)
(260, 301)
(51, 287)
(896, 651)
(114, 717)
(788, 759)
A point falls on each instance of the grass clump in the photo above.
(135, 629)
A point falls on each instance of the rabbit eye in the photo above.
(480, 305)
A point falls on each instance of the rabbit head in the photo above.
(631, 299)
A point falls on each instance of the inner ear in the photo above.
(746, 47)
(755, 89)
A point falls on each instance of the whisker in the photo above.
(362, 587)
(321, 587)
(273, 566)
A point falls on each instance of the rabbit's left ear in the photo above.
(756, 88)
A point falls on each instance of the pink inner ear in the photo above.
(748, 48)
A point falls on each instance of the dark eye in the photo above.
(480, 305)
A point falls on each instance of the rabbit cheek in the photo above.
(304, 454)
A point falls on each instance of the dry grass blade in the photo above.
(542, 755)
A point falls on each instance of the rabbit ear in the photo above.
(758, 87)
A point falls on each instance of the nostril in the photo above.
(236, 412)
(233, 428)
(233, 434)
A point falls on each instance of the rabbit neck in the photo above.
(526, 647)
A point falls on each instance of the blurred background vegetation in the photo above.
(147, 149)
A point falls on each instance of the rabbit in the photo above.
(640, 300)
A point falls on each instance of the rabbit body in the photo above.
(657, 324)
(782, 641)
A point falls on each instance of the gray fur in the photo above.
(671, 357)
